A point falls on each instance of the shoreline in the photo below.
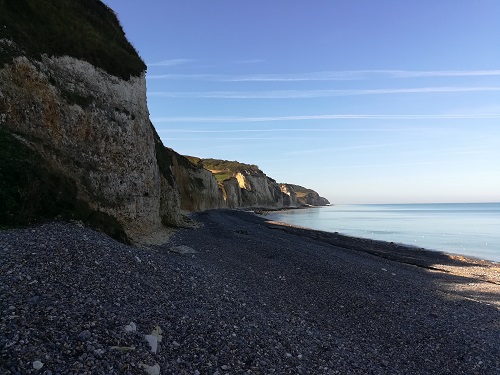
(244, 296)
(435, 260)
(410, 246)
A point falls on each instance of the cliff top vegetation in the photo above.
(85, 29)
(300, 189)
(224, 169)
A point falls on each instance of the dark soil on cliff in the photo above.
(84, 29)
(257, 298)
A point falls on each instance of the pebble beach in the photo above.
(239, 294)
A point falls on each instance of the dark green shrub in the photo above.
(84, 29)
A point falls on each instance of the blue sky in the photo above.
(364, 101)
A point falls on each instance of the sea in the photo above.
(470, 229)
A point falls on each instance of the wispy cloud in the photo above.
(346, 148)
(382, 165)
(179, 76)
(297, 94)
(361, 74)
(339, 75)
(244, 139)
(442, 73)
(171, 62)
(283, 130)
(495, 108)
(251, 61)
(312, 76)
(211, 77)
(321, 117)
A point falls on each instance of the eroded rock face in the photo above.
(313, 199)
(258, 190)
(197, 186)
(252, 188)
(95, 129)
(308, 197)
(232, 193)
(290, 196)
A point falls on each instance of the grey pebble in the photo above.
(84, 335)
(332, 313)
(33, 300)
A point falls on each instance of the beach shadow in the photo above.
(474, 279)
(411, 310)
(416, 256)
(467, 277)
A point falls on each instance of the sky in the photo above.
(364, 101)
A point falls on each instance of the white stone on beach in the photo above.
(183, 249)
(37, 365)
(158, 333)
(131, 327)
(154, 338)
(151, 370)
(153, 342)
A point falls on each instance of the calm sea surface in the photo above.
(471, 229)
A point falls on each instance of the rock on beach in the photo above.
(256, 298)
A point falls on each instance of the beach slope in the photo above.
(242, 295)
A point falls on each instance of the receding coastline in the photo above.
(436, 260)
(462, 229)
(257, 297)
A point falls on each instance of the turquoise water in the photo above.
(471, 229)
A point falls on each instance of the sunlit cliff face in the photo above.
(94, 128)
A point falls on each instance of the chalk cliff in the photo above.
(290, 196)
(87, 123)
(232, 193)
(75, 136)
(198, 187)
(106, 146)
(245, 185)
(308, 197)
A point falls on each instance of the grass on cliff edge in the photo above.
(85, 29)
(31, 192)
(224, 166)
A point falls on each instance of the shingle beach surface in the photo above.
(241, 295)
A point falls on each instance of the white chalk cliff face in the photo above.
(197, 186)
(94, 128)
(290, 198)
(249, 187)
(232, 193)
(83, 125)
(258, 190)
